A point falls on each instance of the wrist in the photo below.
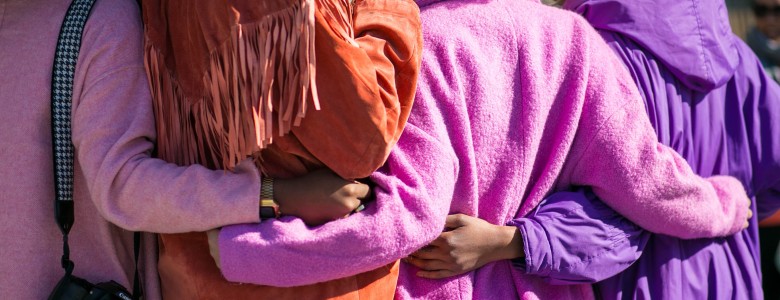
(510, 243)
(269, 208)
(281, 195)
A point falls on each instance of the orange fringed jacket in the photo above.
(295, 87)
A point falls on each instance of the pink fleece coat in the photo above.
(515, 100)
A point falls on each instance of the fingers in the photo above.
(350, 196)
(427, 264)
(430, 252)
(213, 238)
(360, 190)
(455, 221)
(747, 221)
(354, 204)
(436, 274)
(441, 241)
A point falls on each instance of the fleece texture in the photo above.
(516, 100)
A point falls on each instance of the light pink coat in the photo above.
(116, 179)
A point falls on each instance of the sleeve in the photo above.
(617, 153)
(762, 114)
(573, 238)
(412, 200)
(365, 85)
(113, 134)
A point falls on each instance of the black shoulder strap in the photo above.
(65, 58)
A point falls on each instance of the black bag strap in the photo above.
(65, 58)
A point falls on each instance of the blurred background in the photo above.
(741, 16)
(744, 16)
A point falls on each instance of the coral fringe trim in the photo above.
(259, 82)
(339, 15)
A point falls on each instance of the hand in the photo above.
(214, 244)
(319, 197)
(749, 215)
(471, 243)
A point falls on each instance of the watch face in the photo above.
(267, 213)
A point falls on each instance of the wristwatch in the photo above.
(269, 209)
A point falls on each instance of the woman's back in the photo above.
(508, 92)
(709, 100)
(476, 72)
(709, 130)
(531, 101)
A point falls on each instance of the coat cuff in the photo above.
(536, 248)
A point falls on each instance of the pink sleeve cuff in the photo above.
(733, 198)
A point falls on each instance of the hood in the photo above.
(691, 38)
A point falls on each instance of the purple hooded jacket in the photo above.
(708, 98)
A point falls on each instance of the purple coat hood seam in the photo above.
(701, 54)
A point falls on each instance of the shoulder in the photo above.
(529, 20)
(748, 60)
(116, 12)
(113, 29)
(114, 20)
(112, 42)
(554, 33)
(751, 74)
(551, 21)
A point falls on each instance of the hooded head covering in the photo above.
(700, 50)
